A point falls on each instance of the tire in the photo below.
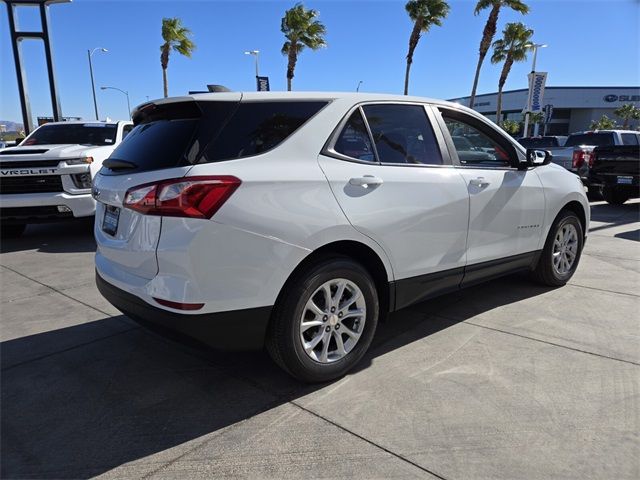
(285, 336)
(613, 196)
(12, 230)
(547, 271)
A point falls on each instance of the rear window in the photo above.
(542, 142)
(73, 133)
(188, 133)
(594, 139)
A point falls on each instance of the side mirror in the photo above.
(536, 158)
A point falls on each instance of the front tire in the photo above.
(561, 253)
(324, 320)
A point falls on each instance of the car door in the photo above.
(390, 171)
(507, 205)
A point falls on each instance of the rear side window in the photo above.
(354, 139)
(594, 139)
(402, 134)
(258, 127)
(629, 139)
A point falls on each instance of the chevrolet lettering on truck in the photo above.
(48, 177)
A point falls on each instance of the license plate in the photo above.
(625, 180)
(110, 220)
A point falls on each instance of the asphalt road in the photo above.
(505, 380)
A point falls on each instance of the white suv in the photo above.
(298, 220)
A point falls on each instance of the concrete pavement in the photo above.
(505, 380)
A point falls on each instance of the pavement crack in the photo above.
(370, 442)
(604, 290)
(552, 343)
(57, 352)
(61, 292)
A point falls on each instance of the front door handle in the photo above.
(479, 182)
(366, 181)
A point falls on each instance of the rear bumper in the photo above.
(231, 330)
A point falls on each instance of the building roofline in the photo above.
(549, 88)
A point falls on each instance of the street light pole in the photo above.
(121, 91)
(535, 47)
(93, 85)
(255, 54)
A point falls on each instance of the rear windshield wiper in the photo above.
(115, 164)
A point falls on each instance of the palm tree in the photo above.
(627, 112)
(176, 37)
(301, 29)
(512, 47)
(424, 14)
(490, 30)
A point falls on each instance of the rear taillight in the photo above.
(578, 158)
(194, 197)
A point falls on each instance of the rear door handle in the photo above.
(479, 182)
(365, 181)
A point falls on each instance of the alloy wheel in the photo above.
(565, 249)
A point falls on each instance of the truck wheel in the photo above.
(561, 253)
(613, 196)
(12, 231)
(324, 320)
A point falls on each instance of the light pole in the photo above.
(93, 85)
(358, 87)
(122, 91)
(255, 54)
(535, 47)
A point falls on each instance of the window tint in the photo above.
(73, 133)
(595, 139)
(156, 145)
(354, 140)
(125, 130)
(258, 127)
(402, 134)
(629, 139)
(473, 146)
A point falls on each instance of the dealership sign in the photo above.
(537, 81)
(263, 84)
(621, 98)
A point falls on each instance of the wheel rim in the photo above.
(565, 249)
(333, 320)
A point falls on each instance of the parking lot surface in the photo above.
(505, 380)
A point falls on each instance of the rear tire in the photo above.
(613, 196)
(12, 231)
(561, 253)
(312, 334)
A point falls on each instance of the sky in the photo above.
(590, 43)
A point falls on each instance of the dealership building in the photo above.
(573, 107)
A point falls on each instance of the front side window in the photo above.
(403, 134)
(354, 140)
(73, 134)
(473, 146)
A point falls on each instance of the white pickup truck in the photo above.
(48, 176)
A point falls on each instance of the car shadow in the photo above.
(614, 215)
(61, 237)
(98, 401)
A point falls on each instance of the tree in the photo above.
(627, 112)
(176, 37)
(605, 123)
(490, 30)
(511, 127)
(301, 29)
(512, 47)
(424, 14)
(534, 117)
